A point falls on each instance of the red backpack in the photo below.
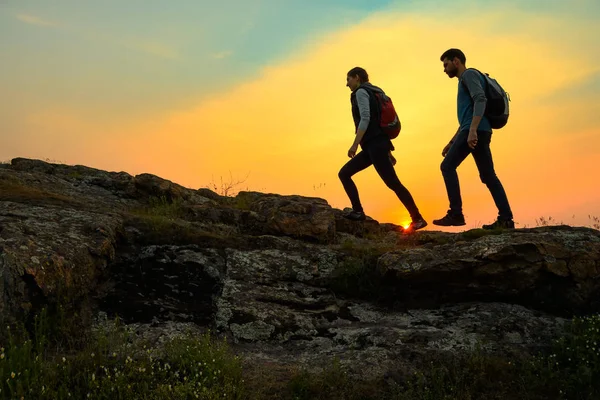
(388, 120)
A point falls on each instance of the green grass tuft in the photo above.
(112, 366)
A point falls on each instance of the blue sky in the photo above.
(110, 50)
(188, 90)
(105, 53)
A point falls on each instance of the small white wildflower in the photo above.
(12, 375)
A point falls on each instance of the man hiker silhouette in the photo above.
(376, 148)
(472, 137)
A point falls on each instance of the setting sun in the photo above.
(319, 196)
(191, 106)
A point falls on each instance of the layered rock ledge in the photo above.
(286, 278)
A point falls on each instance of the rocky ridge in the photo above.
(285, 278)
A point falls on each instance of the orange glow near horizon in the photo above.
(288, 130)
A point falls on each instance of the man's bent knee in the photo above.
(446, 167)
(487, 179)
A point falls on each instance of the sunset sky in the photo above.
(195, 91)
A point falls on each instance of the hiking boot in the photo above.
(501, 224)
(450, 220)
(355, 215)
(416, 224)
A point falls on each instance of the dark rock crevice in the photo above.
(165, 283)
(287, 278)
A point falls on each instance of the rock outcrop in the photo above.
(285, 277)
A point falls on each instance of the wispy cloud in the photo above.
(222, 54)
(33, 20)
(153, 48)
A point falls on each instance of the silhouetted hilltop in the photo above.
(286, 278)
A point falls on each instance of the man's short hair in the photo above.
(451, 54)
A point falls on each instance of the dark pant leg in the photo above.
(383, 165)
(483, 158)
(455, 156)
(355, 165)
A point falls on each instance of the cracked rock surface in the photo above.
(286, 278)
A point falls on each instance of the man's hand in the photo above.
(472, 138)
(446, 149)
(352, 151)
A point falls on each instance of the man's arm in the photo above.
(362, 98)
(471, 80)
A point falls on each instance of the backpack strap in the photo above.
(373, 95)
